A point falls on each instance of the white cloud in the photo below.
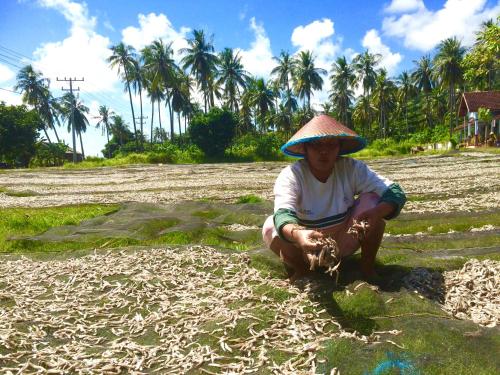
(310, 36)
(318, 38)
(75, 13)
(423, 29)
(258, 60)
(400, 6)
(153, 27)
(82, 54)
(373, 43)
(6, 74)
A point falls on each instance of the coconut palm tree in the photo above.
(342, 81)
(384, 99)
(199, 57)
(261, 97)
(180, 96)
(283, 119)
(158, 60)
(364, 66)
(35, 92)
(123, 58)
(406, 90)
(231, 76)
(137, 76)
(284, 69)
(50, 111)
(105, 115)
(363, 111)
(75, 113)
(119, 130)
(422, 78)
(307, 77)
(448, 70)
(289, 101)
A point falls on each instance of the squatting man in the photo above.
(324, 194)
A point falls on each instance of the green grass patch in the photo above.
(17, 193)
(31, 221)
(207, 214)
(411, 224)
(249, 199)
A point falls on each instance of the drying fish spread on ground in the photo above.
(434, 178)
(169, 310)
(472, 292)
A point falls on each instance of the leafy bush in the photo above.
(257, 147)
(49, 155)
(213, 132)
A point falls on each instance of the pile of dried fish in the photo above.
(168, 310)
(358, 229)
(472, 293)
(327, 256)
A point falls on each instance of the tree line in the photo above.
(396, 107)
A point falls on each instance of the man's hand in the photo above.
(375, 214)
(307, 239)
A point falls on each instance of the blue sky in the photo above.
(72, 38)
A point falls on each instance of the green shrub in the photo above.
(49, 155)
(213, 132)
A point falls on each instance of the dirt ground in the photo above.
(458, 182)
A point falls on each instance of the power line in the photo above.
(15, 92)
(14, 52)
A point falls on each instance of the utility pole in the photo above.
(73, 104)
(142, 121)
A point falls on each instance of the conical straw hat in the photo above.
(324, 126)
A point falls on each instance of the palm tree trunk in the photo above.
(159, 113)
(179, 121)
(170, 115)
(57, 135)
(152, 115)
(107, 136)
(47, 135)
(142, 118)
(133, 114)
(81, 145)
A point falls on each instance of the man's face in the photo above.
(322, 154)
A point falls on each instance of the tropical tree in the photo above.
(448, 70)
(180, 96)
(119, 130)
(307, 77)
(105, 115)
(261, 97)
(363, 111)
(342, 81)
(406, 90)
(199, 57)
(123, 58)
(482, 63)
(422, 78)
(364, 65)
(283, 71)
(138, 80)
(75, 113)
(35, 92)
(384, 99)
(289, 101)
(232, 77)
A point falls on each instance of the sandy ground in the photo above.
(463, 182)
